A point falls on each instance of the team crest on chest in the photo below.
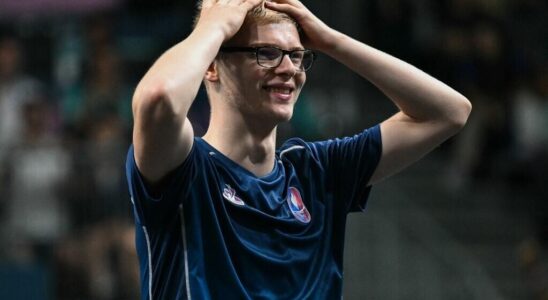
(296, 205)
(230, 194)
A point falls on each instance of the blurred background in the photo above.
(470, 221)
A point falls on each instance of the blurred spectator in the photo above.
(530, 150)
(105, 89)
(530, 109)
(16, 88)
(100, 131)
(101, 89)
(96, 189)
(98, 264)
(488, 82)
(529, 171)
(98, 260)
(36, 165)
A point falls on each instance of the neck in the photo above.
(245, 141)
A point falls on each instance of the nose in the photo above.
(286, 66)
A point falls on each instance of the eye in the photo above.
(268, 53)
(297, 56)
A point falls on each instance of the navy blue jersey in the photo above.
(219, 232)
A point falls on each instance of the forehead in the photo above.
(283, 34)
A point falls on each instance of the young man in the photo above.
(227, 216)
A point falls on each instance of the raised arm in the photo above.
(430, 111)
(162, 134)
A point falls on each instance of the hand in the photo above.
(228, 14)
(317, 35)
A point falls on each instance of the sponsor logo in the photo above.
(296, 206)
(230, 194)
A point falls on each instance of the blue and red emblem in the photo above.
(296, 205)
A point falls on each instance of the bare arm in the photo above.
(162, 134)
(430, 111)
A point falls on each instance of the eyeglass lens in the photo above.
(271, 57)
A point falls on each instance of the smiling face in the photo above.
(256, 92)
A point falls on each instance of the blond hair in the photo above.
(259, 15)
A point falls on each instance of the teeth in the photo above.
(279, 90)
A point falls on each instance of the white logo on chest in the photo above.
(230, 194)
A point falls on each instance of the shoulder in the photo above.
(299, 151)
(196, 158)
(199, 148)
(296, 148)
(293, 145)
(298, 145)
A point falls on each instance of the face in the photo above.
(255, 91)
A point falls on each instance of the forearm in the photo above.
(162, 134)
(177, 74)
(417, 94)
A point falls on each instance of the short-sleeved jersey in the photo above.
(219, 232)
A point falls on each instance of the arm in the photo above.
(162, 134)
(430, 111)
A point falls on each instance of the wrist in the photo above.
(331, 41)
(208, 32)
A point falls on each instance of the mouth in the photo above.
(284, 91)
(280, 92)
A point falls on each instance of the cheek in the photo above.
(253, 81)
(236, 83)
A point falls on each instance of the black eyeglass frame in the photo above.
(255, 50)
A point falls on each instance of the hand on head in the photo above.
(228, 14)
(317, 35)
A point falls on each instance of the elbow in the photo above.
(460, 113)
(149, 94)
(151, 101)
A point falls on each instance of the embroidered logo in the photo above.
(230, 194)
(296, 205)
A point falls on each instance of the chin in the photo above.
(283, 115)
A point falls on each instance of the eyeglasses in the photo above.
(271, 57)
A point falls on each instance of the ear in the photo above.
(212, 73)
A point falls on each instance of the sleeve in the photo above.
(152, 210)
(349, 164)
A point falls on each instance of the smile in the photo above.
(284, 91)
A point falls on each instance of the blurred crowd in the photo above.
(65, 123)
(63, 143)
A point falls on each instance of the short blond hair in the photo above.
(259, 15)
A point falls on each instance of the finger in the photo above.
(283, 7)
(250, 4)
(295, 3)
